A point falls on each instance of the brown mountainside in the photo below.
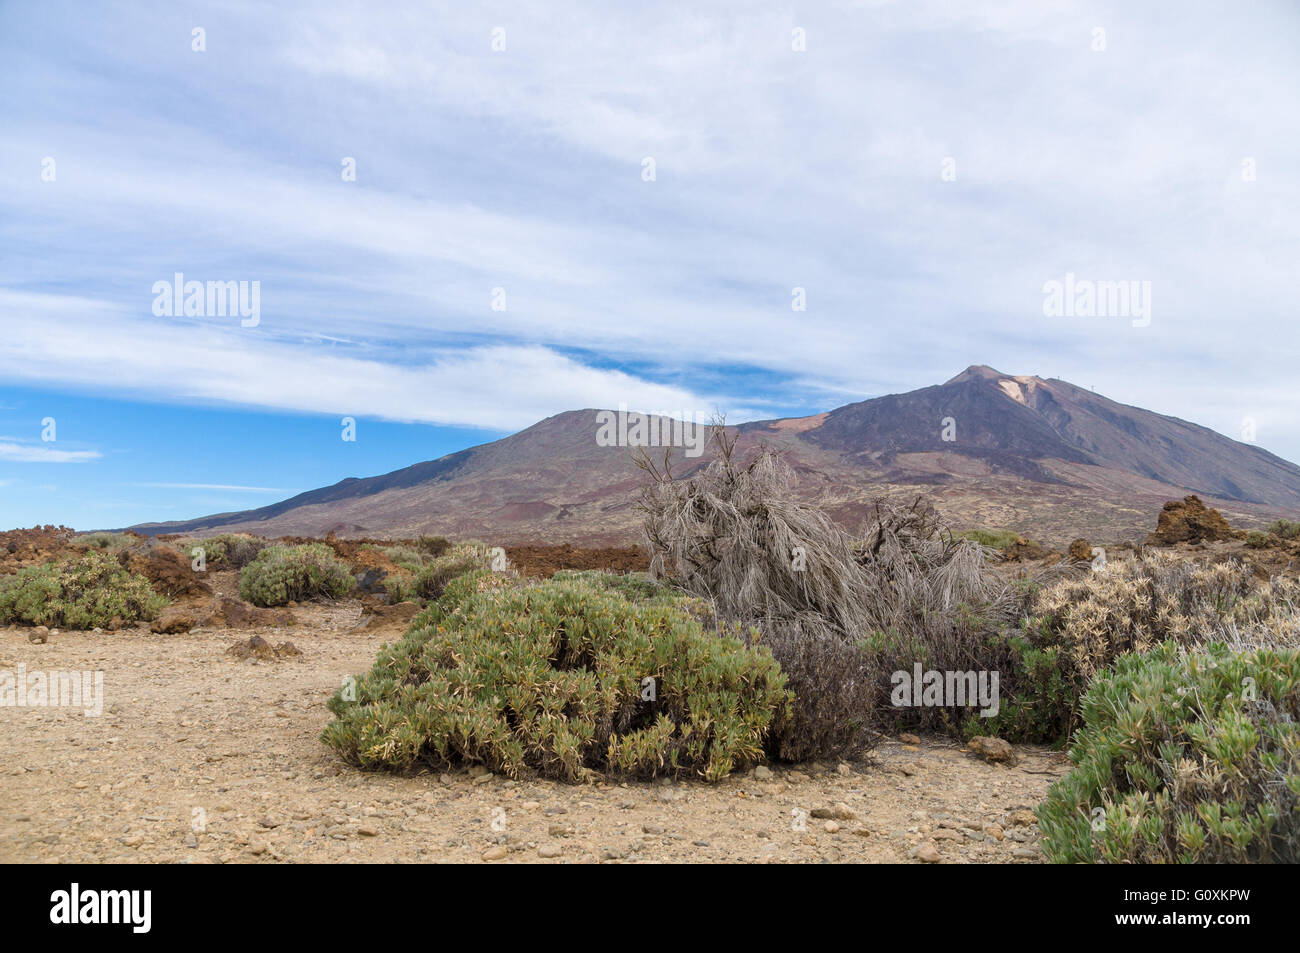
(1042, 457)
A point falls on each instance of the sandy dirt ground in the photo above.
(201, 758)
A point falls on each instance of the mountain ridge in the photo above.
(993, 449)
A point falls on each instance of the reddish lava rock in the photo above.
(1189, 521)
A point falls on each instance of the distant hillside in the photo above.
(1043, 457)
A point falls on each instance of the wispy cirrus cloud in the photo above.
(493, 386)
(15, 452)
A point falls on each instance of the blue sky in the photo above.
(1088, 138)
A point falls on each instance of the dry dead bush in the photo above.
(840, 612)
(1080, 626)
(1134, 604)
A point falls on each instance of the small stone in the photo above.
(840, 812)
(550, 850)
(991, 749)
(832, 827)
(762, 773)
(257, 848)
(1024, 852)
(909, 739)
(191, 841)
(1023, 818)
(651, 829)
(927, 853)
(495, 853)
(367, 831)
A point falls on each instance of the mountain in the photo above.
(1042, 457)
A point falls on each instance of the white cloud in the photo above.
(495, 387)
(41, 453)
(776, 169)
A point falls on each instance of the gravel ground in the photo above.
(198, 757)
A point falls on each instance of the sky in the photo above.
(460, 219)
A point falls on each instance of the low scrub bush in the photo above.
(636, 586)
(404, 556)
(836, 687)
(426, 580)
(1286, 529)
(93, 590)
(1136, 603)
(433, 545)
(282, 574)
(1080, 625)
(227, 551)
(567, 677)
(1183, 757)
(107, 540)
(998, 539)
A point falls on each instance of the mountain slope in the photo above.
(1039, 456)
(1015, 421)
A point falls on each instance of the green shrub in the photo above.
(634, 585)
(107, 540)
(551, 676)
(227, 551)
(404, 556)
(91, 591)
(998, 539)
(1257, 540)
(1186, 757)
(282, 574)
(834, 683)
(428, 579)
(1286, 529)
